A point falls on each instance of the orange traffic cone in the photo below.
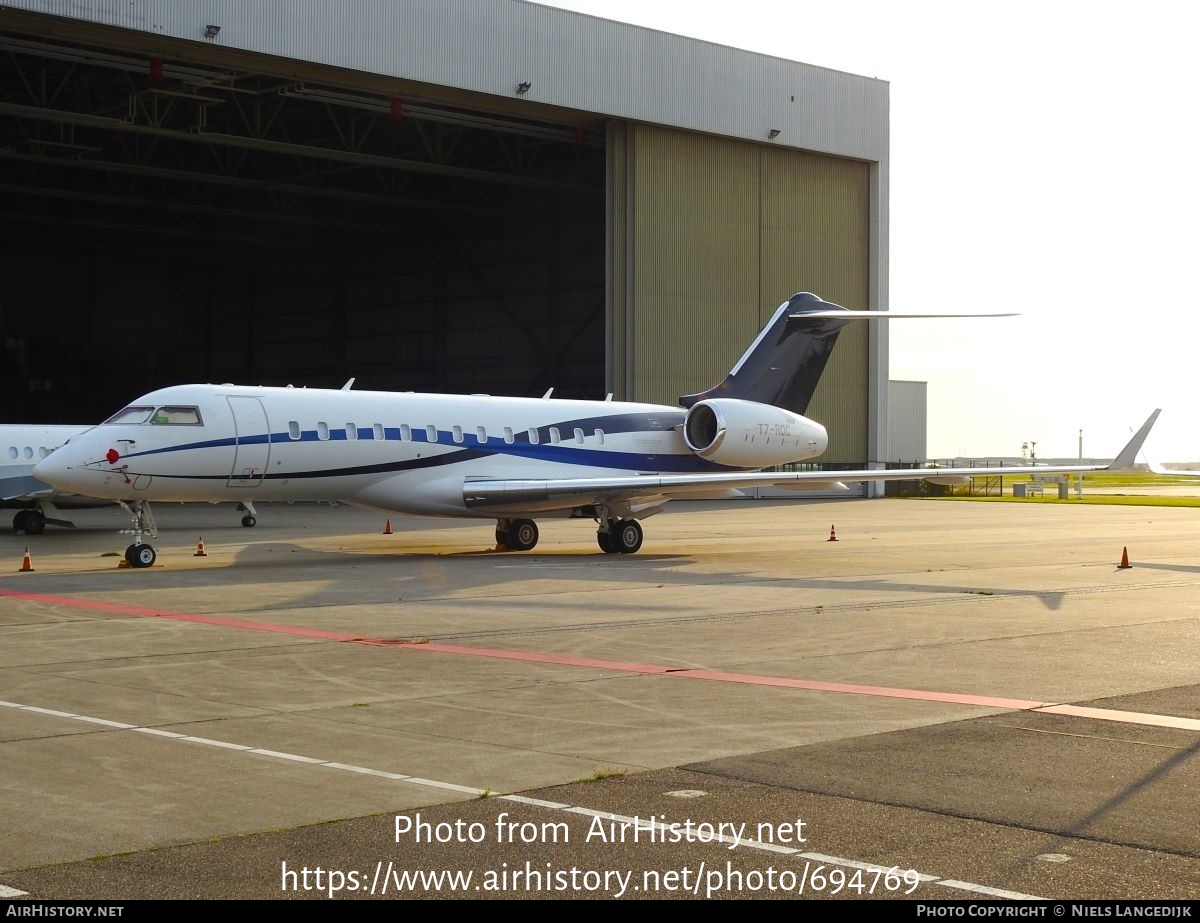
(200, 552)
(1124, 559)
(27, 564)
(832, 534)
(387, 529)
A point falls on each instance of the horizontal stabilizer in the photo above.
(887, 315)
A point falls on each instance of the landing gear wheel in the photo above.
(249, 521)
(140, 555)
(29, 522)
(521, 534)
(501, 538)
(607, 542)
(627, 537)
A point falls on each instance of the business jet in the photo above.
(36, 502)
(511, 459)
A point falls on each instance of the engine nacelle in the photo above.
(745, 434)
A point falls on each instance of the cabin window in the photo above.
(431, 433)
(508, 435)
(377, 432)
(481, 435)
(458, 436)
(579, 435)
(131, 415)
(294, 430)
(28, 453)
(322, 430)
(43, 452)
(351, 431)
(12, 451)
(534, 437)
(554, 435)
(405, 432)
(599, 437)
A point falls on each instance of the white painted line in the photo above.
(49, 711)
(1124, 717)
(770, 847)
(535, 802)
(367, 772)
(106, 722)
(295, 757)
(990, 892)
(865, 866)
(623, 819)
(209, 742)
(433, 783)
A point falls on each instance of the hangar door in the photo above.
(709, 236)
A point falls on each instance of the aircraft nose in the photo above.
(51, 469)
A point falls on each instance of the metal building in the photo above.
(455, 195)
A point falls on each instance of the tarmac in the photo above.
(828, 699)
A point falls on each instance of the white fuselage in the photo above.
(22, 447)
(401, 452)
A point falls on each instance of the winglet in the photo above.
(1129, 453)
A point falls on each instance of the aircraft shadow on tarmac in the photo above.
(347, 576)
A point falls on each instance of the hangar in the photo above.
(444, 195)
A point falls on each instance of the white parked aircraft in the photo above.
(37, 503)
(505, 458)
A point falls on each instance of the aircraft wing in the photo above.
(550, 494)
(23, 487)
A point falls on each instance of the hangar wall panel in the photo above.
(908, 423)
(715, 234)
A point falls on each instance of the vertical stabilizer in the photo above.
(785, 362)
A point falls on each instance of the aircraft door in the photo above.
(253, 449)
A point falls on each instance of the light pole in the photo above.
(1079, 477)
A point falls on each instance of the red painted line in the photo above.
(592, 663)
(956, 698)
(527, 656)
(220, 620)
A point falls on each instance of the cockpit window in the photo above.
(131, 415)
(176, 416)
(159, 416)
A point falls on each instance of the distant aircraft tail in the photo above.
(785, 362)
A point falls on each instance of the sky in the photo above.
(1043, 160)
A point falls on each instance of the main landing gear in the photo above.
(619, 536)
(516, 534)
(139, 554)
(29, 522)
(614, 536)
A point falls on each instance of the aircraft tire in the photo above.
(607, 542)
(521, 535)
(29, 522)
(628, 536)
(140, 555)
(249, 521)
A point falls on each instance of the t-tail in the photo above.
(785, 362)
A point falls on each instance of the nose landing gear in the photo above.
(139, 554)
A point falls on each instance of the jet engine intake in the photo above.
(746, 434)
